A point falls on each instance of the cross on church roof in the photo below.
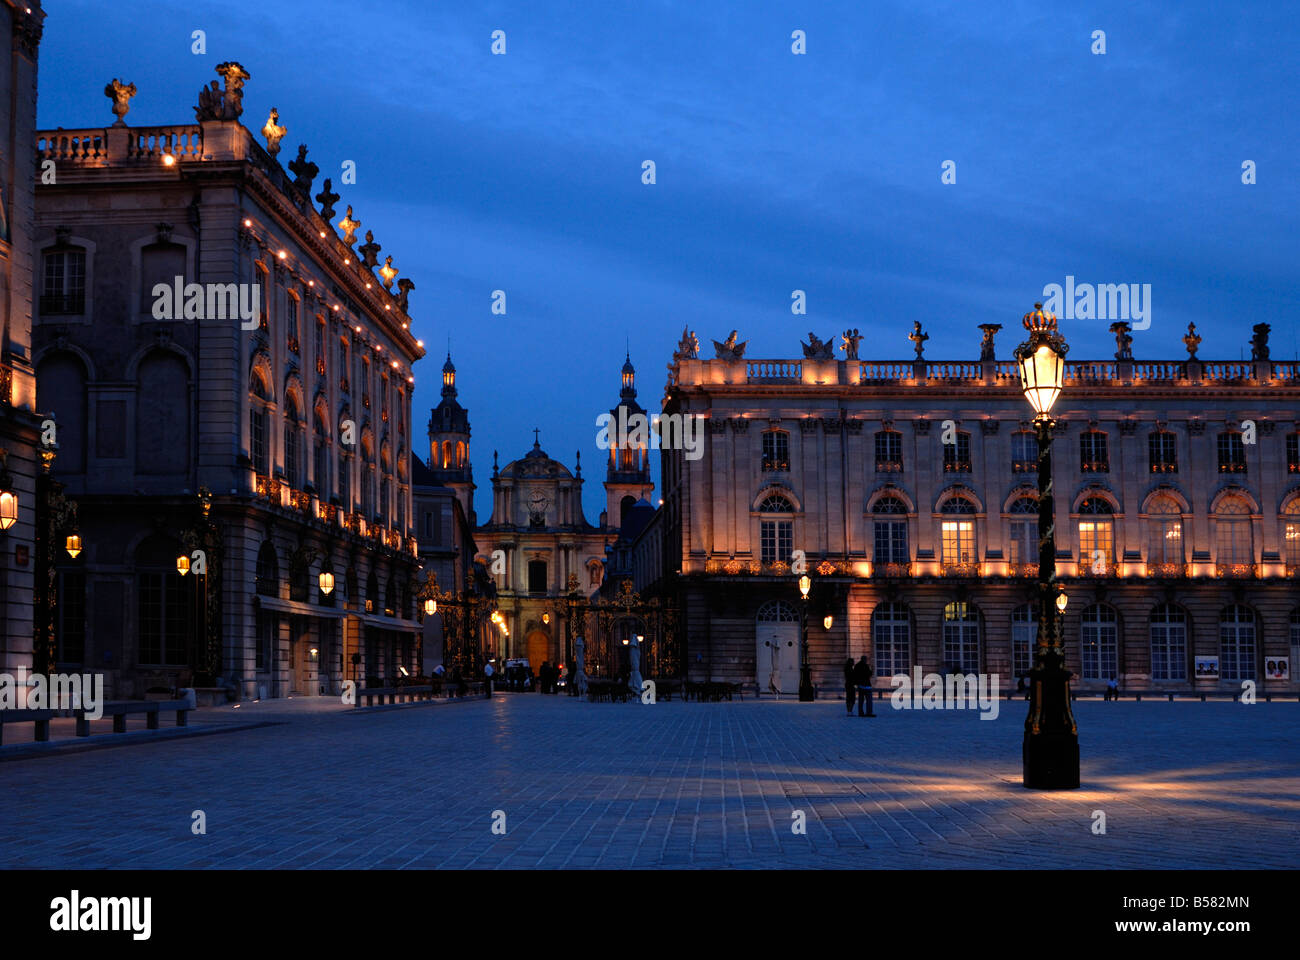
(536, 441)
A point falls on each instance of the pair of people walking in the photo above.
(857, 686)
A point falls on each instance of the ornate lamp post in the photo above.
(806, 691)
(1051, 745)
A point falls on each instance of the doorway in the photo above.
(539, 648)
(776, 648)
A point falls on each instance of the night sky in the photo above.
(775, 172)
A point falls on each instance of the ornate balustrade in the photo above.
(773, 371)
(149, 143)
(72, 146)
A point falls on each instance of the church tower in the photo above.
(449, 442)
(627, 479)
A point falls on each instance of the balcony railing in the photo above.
(889, 466)
(1164, 466)
(1237, 571)
(773, 371)
(772, 465)
(1095, 466)
(1022, 570)
(57, 303)
(1024, 466)
(299, 501)
(1232, 466)
(953, 370)
(872, 372)
(1159, 370)
(1169, 571)
(893, 570)
(956, 466)
(954, 568)
(1227, 370)
(1105, 567)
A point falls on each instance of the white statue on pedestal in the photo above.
(634, 661)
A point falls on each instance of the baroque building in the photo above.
(909, 487)
(232, 384)
(24, 555)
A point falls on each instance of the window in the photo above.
(1237, 643)
(1291, 537)
(63, 289)
(292, 445)
(292, 329)
(1168, 643)
(890, 529)
(163, 614)
(257, 446)
(318, 346)
(372, 596)
(390, 598)
(1165, 555)
(1024, 452)
(345, 476)
(891, 639)
(161, 263)
(71, 617)
(776, 450)
(1293, 453)
(958, 536)
(889, 452)
(1162, 451)
(961, 638)
(956, 456)
(536, 576)
(1093, 457)
(1096, 537)
(1099, 642)
(343, 365)
(776, 537)
(1236, 550)
(268, 572)
(385, 486)
(1024, 639)
(368, 489)
(1024, 536)
(268, 627)
(1232, 453)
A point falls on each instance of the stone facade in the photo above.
(906, 485)
(295, 414)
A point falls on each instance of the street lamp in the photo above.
(806, 692)
(326, 582)
(430, 607)
(182, 564)
(1051, 746)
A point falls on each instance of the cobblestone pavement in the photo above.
(672, 784)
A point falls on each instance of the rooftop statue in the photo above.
(404, 286)
(227, 104)
(1191, 341)
(369, 251)
(303, 170)
(986, 345)
(1123, 340)
(688, 347)
(1259, 342)
(326, 199)
(121, 94)
(273, 132)
(849, 343)
(918, 339)
(349, 227)
(729, 349)
(817, 349)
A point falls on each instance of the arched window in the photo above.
(1024, 638)
(460, 454)
(268, 571)
(1024, 536)
(321, 476)
(889, 523)
(372, 592)
(293, 329)
(961, 637)
(624, 506)
(891, 638)
(1165, 555)
(258, 445)
(1237, 643)
(446, 455)
(61, 386)
(1290, 535)
(1168, 643)
(958, 543)
(1233, 537)
(292, 443)
(776, 537)
(1099, 642)
(1096, 537)
(777, 611)
(390, 598)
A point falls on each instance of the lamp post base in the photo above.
(1051, 761)
(807, 693)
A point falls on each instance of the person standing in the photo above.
(850, 686)
(862, 674)
(488, 671)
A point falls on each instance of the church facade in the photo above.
(909, 489)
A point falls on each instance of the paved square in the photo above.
(1206, 785)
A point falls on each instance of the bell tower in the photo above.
(449, 442)
(627, 478)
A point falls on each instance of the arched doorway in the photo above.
(538, 645)
(776, 647)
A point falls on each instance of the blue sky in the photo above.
(775, 172)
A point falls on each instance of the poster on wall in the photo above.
(1277, 668)
(1207, 668)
